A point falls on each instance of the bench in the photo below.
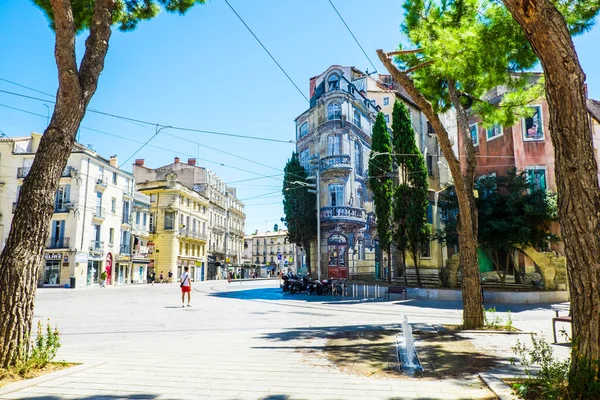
(396, 290)
(558, 318)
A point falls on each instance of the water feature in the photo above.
(407, 352)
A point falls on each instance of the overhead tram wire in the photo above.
(178, 128)
(154, 146)
(351, 33)
(268, 52)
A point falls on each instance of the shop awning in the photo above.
(271, 267)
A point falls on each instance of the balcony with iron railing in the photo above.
(58, 243)
(99, 213)
(340, 163)
(96, 246)
(101, 183)
(343, 214)
(125, 249)
(126, 219)
(22, 172)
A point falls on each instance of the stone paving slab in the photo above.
(239, 341)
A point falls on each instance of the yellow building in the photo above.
(178, 228)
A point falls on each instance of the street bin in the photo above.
(73, 279)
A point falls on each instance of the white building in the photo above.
(91, 226)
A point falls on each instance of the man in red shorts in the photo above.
(186, 286)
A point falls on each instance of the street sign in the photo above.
(279, 256)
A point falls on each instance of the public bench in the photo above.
(558, 318)
(396, 290)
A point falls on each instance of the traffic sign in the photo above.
(279, 256)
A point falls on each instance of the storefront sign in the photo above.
(53, 256)
(81, 257)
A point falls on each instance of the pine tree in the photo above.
(22, 255)
(299, 206)
(380, 182)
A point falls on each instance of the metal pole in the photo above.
(318, 188)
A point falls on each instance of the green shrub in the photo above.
(39, 352)
(546, 376)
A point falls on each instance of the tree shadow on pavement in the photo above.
(186, 397)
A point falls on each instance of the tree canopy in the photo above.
(299, 206)
(126, 15)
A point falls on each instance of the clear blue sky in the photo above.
(206, 71)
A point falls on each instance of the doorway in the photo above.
(337, 253)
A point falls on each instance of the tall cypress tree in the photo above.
(299, 206)
(410, 197)
(380, 168)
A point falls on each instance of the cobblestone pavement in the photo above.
(238, 341)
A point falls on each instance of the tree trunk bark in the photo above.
(417, 260)
(576, 173)
(22, 256)
(389, 251)
(467, 238)
(404, 267)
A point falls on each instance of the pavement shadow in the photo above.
(273, 294)
(457, 305)
(174, 397)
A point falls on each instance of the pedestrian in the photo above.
(186, 287)
(170, 277)
(229, 277)
(103, 277)
(161, 277)
(151, 276)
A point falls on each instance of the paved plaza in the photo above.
(239, 341)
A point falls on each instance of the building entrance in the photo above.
(337, 251)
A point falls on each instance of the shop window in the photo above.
(52, 272)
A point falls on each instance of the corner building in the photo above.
(334, 135)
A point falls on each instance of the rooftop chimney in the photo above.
(113, 161)
(139, 162)
(176, 160)
(192, 161)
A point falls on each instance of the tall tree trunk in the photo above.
(576, 173)
(389, 268)
(404, 266)
(416, 259)
(22, 256)
(467, 238)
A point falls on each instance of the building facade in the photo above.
(178, 228)
(225, 212)
(141, 237)
(334, 136)
(270, 251)
(90, 230)
(335, 133)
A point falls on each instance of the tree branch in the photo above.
(64, 49)
(96, 47)
(416, 67)
(400, 52)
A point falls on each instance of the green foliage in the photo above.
(478, 45)
(40, 352)
(511, 213)
(493, 321)
(103, 275)
(127, 14)
(411, 230)
(547, 376)
(380, 168)
(299, 205)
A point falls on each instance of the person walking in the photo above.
(186, 287)
(152, 276)
(162, 277)
(103, 277)
(170, 275)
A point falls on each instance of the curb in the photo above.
(13, 387)
(498, 387)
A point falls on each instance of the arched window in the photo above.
(334, 145)
(357, 157)
(334, 111)
(334, 83)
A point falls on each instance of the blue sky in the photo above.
(205, 71)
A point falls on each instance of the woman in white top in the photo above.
(186, 286)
